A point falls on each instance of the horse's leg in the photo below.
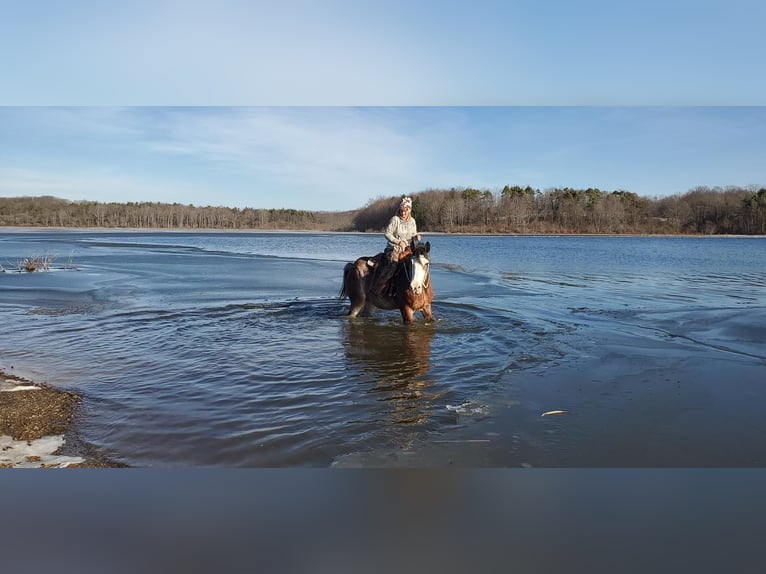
(355, 286)
(355, 308)
(427, 314)
(407, 314)
(358, 298)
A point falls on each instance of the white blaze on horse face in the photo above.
(419, 274)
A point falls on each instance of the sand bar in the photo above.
(35, 420)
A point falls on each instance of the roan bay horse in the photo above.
(411, 282)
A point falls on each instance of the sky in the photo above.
(339, 158)
(325, 105)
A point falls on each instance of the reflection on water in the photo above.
(395, 361)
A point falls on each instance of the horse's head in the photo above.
(418, 268)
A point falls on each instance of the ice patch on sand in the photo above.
(10, 385)
(34, 453)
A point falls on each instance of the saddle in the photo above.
(395, 257)
(384, 273)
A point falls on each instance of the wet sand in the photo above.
(36, 428)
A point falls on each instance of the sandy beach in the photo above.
(36, 427)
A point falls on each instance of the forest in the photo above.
(515, 209)
(50, 211)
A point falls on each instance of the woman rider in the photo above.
(401, 230)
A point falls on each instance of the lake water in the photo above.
(232, 349)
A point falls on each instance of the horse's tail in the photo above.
(344, 288)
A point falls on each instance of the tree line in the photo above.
(515, 209)
(54, 212)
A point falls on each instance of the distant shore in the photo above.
(702, 210)
(425, 233)
(37, 428)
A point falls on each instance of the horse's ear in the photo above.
(428, 246)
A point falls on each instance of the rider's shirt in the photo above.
(400, 230)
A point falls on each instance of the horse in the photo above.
(411, 288)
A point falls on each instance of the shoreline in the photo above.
(27, 229)
(38, 430)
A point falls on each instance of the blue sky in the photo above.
(335, 158)
(326, 105)
(368, 52)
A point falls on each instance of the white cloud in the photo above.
(280, 141)
(305, 158)
(338, 152)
